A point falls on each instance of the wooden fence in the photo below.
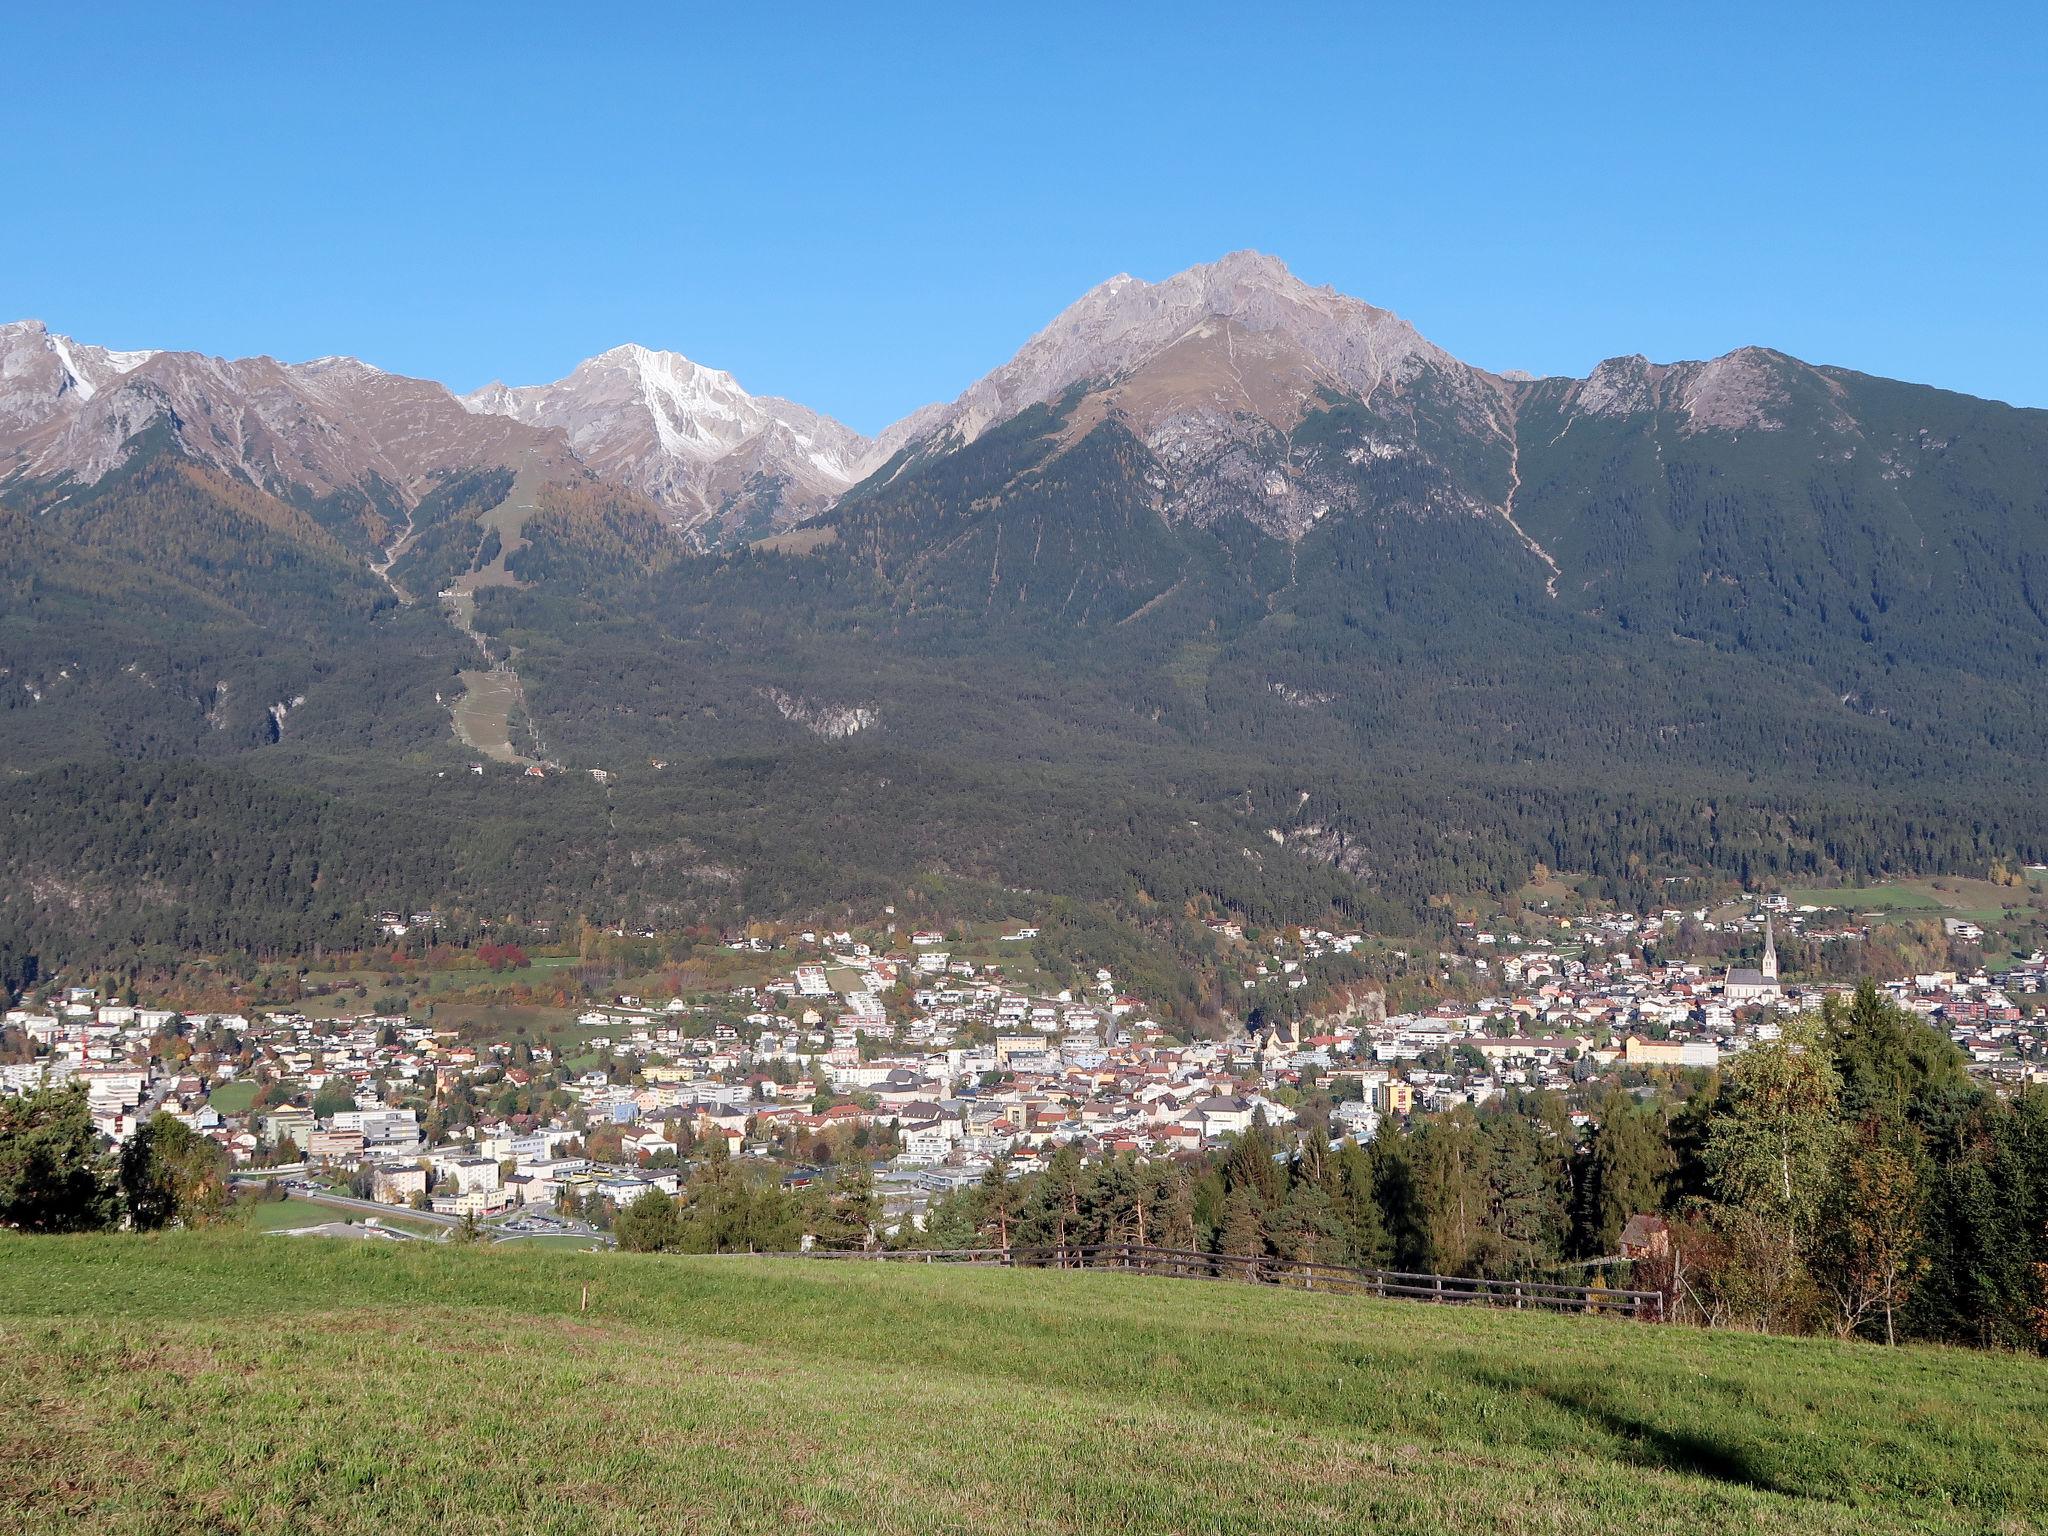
(1185, 1264)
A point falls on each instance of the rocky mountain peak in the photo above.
(70, 413)
(1749, 389)
(1119, 329)
(690, 438)
(40, 371)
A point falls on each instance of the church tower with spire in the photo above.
(1770, 965)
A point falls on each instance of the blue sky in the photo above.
(866, 207)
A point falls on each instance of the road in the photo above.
(366, 1207)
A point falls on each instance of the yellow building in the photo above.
(1638, 1052)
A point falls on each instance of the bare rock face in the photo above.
(1214, 370)
(1190, 331)
(832, 721)
(1253, 394)
(71, 413)
(690, 439)
(42, 373)
(1747, 390)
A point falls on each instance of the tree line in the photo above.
(54, 1177)
(1849, 1177)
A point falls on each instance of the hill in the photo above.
(243, 1383)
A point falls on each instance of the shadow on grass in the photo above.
(1644, 1442)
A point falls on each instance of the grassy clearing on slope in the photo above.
(1979, 901)
(190, 1381)
(539, 971)
(483, 715)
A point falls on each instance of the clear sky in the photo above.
(866, 206)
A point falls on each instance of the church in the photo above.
(1744, 987)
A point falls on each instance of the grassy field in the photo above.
(283, 1215)
(563, 1241)
(799, 541)
(1977, 901)
(191, 1382)
(489, 1023)
(483, 715)
(541, 970)
(232, 1098)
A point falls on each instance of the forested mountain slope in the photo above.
(1225, 594)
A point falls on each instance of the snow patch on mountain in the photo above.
(690, 437)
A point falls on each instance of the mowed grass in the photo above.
(292, 1211)
(189, 1382)
(537, 972)
(483, 715)
(491, 1023)
(283, 1215)
(232, 1098)
(564, 1241)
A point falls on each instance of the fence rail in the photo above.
(1338, 1279)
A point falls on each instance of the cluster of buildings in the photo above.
(947, 1065)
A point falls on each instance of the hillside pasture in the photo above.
(192, 1382)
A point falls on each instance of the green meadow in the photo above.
(234, 1382)
(233, 1098)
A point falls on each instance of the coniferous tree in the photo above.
(1448, 1166)
(1358, 1205)
(1624, 1171)
(1243, 1231)
(648, 1224)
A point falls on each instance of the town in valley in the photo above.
(927, 1057)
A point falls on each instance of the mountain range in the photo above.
(1198, 366)
(1224, 593)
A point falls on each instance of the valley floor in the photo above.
(249, 1383)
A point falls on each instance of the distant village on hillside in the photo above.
(930, 1068)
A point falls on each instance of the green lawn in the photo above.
(1976, 900)
(232, 1098)
(190, 1382)
(280, 1215)
(489, 1023)
(292, 1211)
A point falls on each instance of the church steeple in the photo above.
(1770, 965)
